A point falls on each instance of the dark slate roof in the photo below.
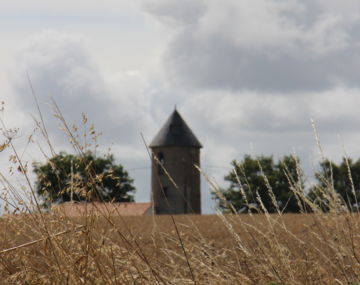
(175, 132)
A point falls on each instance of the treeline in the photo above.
(261, 184)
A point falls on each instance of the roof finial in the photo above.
(175, 109)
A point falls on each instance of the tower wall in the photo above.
(179, 164)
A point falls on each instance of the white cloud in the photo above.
(250, 24)
(176, 13)
(272, 46)
(60, 68)
(70, 7)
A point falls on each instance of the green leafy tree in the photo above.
(67, 177)
(257, 175)
(341, 179)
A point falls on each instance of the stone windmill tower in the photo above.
(175, 151)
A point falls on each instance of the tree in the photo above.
(258, 175)
(67, 177)
(342, 180)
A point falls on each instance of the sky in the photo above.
(248, 76)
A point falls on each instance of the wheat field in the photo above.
(188, 249)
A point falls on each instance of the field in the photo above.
(214, 249)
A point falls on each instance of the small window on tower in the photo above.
(161, 161)
(164, 192)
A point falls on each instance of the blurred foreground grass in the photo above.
(220, 249)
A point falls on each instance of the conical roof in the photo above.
(175, 132)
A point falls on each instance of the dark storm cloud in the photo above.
(270, 46)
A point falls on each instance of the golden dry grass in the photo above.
(51, 248)
(231, 249)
